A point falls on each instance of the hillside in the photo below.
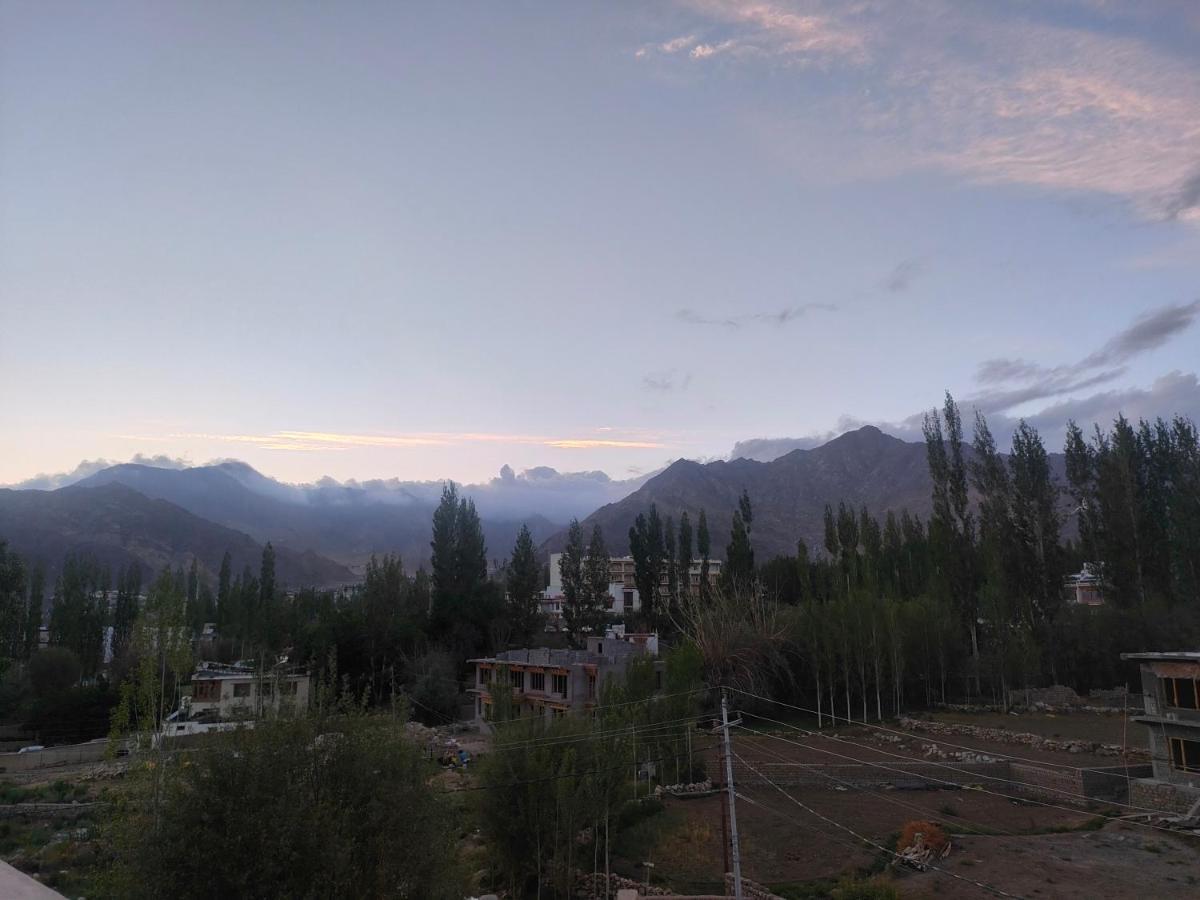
(346, 524)
(118, 525)
(863, 467)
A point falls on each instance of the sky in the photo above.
(423, 241)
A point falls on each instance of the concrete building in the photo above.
(556, 683)
(1085, 587)
(1171, 699)
(232, 692)
(623, 595)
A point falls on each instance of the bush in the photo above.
(326, 807)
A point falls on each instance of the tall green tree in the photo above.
(685, 555)
(523, 584)
(739, 554)
(704, 550)
(572, 574)
(225, 595)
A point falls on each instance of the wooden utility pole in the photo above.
(733, 833)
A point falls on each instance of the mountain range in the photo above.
(323, 533)
(864, 467)
(118, 525)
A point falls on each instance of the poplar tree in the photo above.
(523, 584)
(571, 573)
(703, 549)
(685, 557)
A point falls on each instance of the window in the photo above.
(559, 684)
(1181, 693)
(518, 681)
(485, 676)
(537, 681)
(288, 688)
(241, 690)
(1185, 755)
(268, 690)
(591, 687)
(206, 691)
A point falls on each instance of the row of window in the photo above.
(210, 691)
(537, 681)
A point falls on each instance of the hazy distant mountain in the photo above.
(346, 522)
(788, 494)
(117, 525)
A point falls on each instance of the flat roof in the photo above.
(1189, 655)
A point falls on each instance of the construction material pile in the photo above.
(920, 845)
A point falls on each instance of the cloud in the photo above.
(666, 380)
(767, 449)
(778, 319)
(1185, 202)
(324, 440)
(676, 44)
(994, 93)
(900, 279)
(88, 467)
(1010, 382)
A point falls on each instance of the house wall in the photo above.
(231, 706)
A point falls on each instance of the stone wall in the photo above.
(92, 751)
(1160, 795)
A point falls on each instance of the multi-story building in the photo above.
(231, 692)
(555, 683)
(1171, 699)
(623, 595)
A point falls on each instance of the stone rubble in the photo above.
(1003, 736)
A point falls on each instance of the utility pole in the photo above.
(733, 834)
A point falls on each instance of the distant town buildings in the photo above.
(1085, 587)
(555, 683)
(1171, 692)
(623, 595)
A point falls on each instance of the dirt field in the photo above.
(1022, 847)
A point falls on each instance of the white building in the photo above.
(230, 692)
(623, 595)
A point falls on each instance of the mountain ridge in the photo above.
(862, 467)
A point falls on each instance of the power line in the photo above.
(563, 776)
(866, 840)
(931, 777)
(882, 796)
(933, 738)
(941, 764)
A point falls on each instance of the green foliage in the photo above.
(523, 584)
(53, 670)
(331, 806)
(162, 649)
(551, 789)
(431, 685)
(739, 575)
(77, 617)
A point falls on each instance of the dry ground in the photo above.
(1022, 847)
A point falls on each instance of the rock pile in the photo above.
(696, 787)
(590, 886)
(1003, 736)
